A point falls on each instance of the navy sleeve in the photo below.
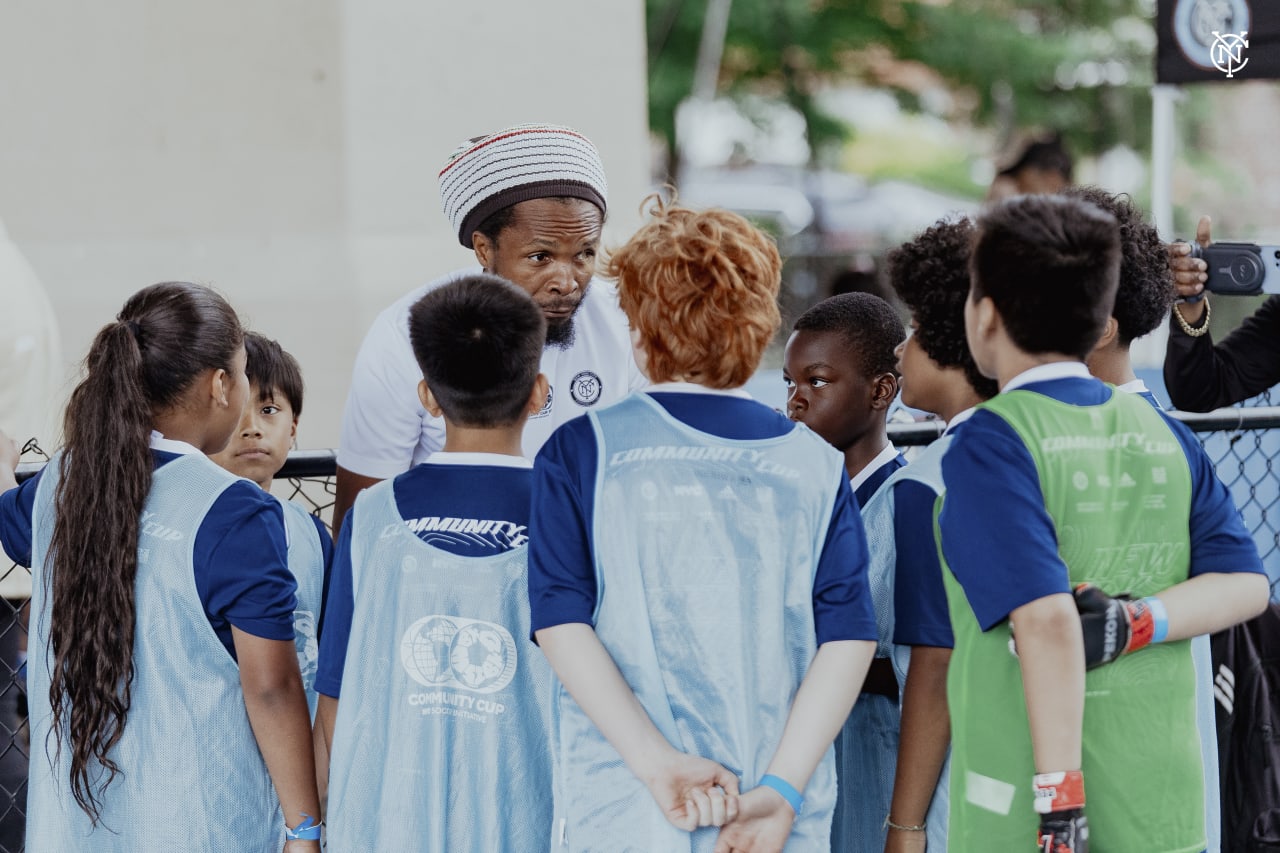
(1219, 540)
(16, 509)
(339, 606)
(562, 577)
(841, 593)
(921, 617)
(242, 564)
(997, 535)
(326, 554)
(326, 541)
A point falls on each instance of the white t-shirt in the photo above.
(385, 430)
(32, 377)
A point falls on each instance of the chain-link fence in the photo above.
(1243, 443)
(307, 479)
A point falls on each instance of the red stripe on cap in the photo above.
(500, 137)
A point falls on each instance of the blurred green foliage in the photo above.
(1083, 67)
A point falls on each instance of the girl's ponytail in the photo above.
(163, 339)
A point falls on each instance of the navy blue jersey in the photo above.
(562, 583)
(326, 547)
(473, 505)
(326, 542)
(994, 496)
(241, 567)
(920, 613)
(875, 480)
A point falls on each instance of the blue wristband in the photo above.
(1159, 618)
(308, 830)
(786, 790)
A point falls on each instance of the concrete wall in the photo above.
(286, 152)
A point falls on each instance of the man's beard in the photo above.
(561, 333)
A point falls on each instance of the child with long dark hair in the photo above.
(165, 695)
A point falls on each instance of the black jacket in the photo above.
(1201, 377)
(1246, 682)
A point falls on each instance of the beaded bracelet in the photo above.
(889, 824)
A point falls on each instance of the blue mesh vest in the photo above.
(306, 562)
(878, 518)
(193, 777)
(441, 740)
(706, 550)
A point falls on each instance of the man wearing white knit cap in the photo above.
(530, 202)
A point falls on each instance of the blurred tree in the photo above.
(1081, 66)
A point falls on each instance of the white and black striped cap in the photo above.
(517, 164)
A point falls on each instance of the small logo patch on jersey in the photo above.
(585, 388)
(546, 407)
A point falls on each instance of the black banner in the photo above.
(1222, 41)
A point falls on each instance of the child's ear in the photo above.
(884, 390)
(428, 400)
(219, 387)
(538, 397)
(1109, 332)
(986, 318)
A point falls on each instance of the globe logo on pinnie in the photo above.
(456, 652)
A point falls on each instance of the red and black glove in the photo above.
(1059, 800)
(1112, 626)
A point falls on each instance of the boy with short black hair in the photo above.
(938, 375)
(440, 739)
(1143, 299)
(1060, 481)
(839, 368)
(257, 451)
(841, 379)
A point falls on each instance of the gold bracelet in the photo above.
(1193, 331)
(889, 824)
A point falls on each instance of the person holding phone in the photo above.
(1199, 374)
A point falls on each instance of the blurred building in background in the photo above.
(286, 152)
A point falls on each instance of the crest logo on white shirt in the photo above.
(585, 388)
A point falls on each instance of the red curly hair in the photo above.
(700, 288)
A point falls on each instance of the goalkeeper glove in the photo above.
(1117, 626)
(1059, 800)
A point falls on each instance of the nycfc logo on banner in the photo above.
(546, 407)
(585, 388)
(453, 651)
(1228, 52)
(1213, 33)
